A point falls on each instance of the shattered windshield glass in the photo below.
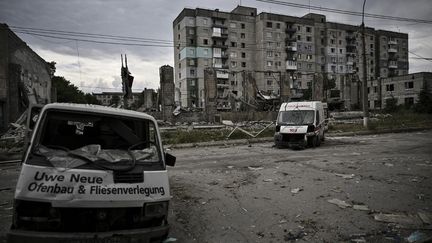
(296, 117)
(70, 140)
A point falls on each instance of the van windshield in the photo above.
(296, 117)
(73, 139)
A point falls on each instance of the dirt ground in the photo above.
(258, 193)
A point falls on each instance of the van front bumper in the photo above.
(290, 140)
(154, 234)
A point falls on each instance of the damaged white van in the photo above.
(92, 174)
(300, 124)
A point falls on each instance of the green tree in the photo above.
(69, 93)
(424, 104)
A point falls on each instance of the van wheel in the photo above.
(323, 137)
(317, 141)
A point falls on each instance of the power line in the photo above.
(345, 12)
(420, 57)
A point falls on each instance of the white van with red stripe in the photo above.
(300, 124)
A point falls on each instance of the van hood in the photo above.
(293, 129)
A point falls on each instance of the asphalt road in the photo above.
(259, 193)
(249, 193)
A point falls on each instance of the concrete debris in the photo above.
(419, 236)
(345, 176)
(361, 207)
(227, 123)
(359, 240)
(296, 190)
(294, 236)
(339, 203)
(389, 164)
(402, 219)
(170, 239)
(426, 218)
(255, 168)
(268, 180)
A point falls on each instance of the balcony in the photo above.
(392, 42)
(292, 46)
(393, 65)
(220, 45)
(350, 62)
(219, 35)
(392, 50)
(222, 74)
(290, 39)
(290, 30)
(291, 65)
(393, 57)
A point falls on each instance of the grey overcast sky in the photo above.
(96, 67)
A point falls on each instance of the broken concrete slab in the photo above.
(345, 176)
(405, 220)
(339, 203)
(361, 207)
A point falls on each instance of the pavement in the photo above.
(258, 193)
(369, 188)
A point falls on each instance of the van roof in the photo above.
(97, 109)
(305, 105)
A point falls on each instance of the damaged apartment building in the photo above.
(25, 78)
(272, 56)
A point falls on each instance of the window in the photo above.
(269, 24)
(309, 66)
(205, 41)
(191, 62)
(179, 64)
(205, 52)
(269, 53)
(179, 56)
(191, 21)
(242, 35)
(409, 85)
(179, 75)
(233, 44)
(233, 25)
(205, 21)
(340, 42)
(192, 72)
(269, 82)
(390, 87)
(191, 31)
(332, 41)
(409, 101)
(371, 46)
(278, 44)
(269, 34)
(299, 37)
(243, 45)
(332, 50)
(298, 27)
(308, 29)
(375, 89)
(308, 57)
(243, 55)
(243, 64)
(233, 54)
(191, 41)
(269, 63)
(278, 25)
(340, 51)
(308, 38)
(233, 64)
(243, 26)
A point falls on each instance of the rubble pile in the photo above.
(12, 140)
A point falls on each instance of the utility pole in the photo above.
(365, 94)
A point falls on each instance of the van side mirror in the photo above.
(170, 159)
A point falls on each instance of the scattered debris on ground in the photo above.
(345, 176)
(339, 203)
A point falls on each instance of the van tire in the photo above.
(317, 141)
(323, 137)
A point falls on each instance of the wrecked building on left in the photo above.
(25, 78)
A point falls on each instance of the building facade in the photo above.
(278, 55)
(404, 88)
(25, 78)
(115, 98)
